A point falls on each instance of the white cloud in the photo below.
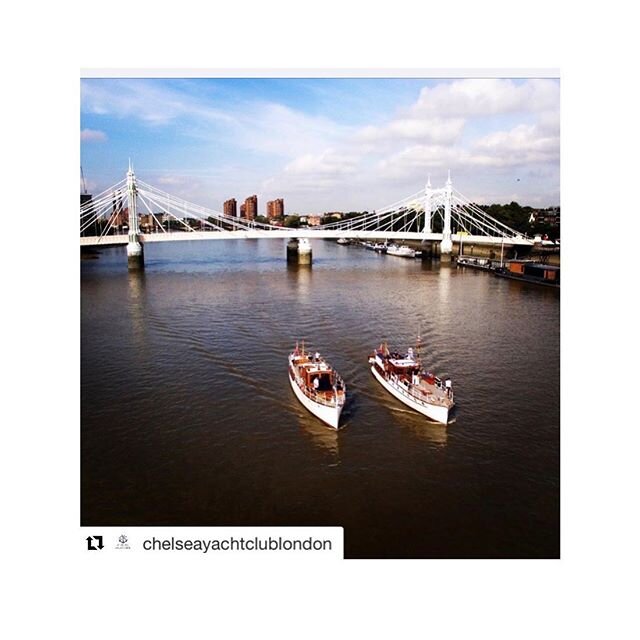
(441, 112)
(93, 135)
(257, 126)
(483, 97)
(152, 103)
(328, 163)
(429, 136)
(174, 180)
(549, 121)
(269, 127)
(481, 129)
(435, 130)
(523, 145)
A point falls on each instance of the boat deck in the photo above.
(306, 367)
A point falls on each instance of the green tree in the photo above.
(293, 222)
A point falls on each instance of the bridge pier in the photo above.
(429, 249)
(446, 246)
(135, 255)
(299, 251)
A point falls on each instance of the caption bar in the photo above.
(212, 541)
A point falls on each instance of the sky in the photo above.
(325, 144)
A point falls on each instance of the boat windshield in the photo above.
(404, 362)
(322, 382)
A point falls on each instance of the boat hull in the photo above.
(436, 413)
(401, 254)
(328, 415)
(461, 262)
(528, 280)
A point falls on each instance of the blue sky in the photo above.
(325, 144)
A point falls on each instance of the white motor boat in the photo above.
(317, 385)
(402, 251)
(403, 377)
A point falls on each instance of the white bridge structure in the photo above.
(412, 218)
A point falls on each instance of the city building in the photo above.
(231, 208)
(243, 210)
(314, 221)
(549, 216)
(119, 212)
(147, 223)
(250, 208)
(275, 208)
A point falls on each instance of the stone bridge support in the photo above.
(446, 245)
(299, 251)
(135, 252)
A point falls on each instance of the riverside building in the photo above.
(250, 208)
(231, 208)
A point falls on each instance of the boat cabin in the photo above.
(535, 270)
(320, 379)
(315, 373)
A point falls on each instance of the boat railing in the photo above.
(399, 386)
(316, 397)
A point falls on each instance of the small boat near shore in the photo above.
(475, 263)
(402, 251)
(404, 377)
(317, 385)
(378, 247)
(344, 241)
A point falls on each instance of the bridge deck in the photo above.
(254, 234)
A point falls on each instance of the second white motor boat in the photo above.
(403, 377)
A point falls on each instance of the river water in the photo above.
(187, 416)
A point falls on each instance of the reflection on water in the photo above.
(188, 417)
(421, 427)
(325, 438)
(300, 275)
(444, 282)
(136, 297)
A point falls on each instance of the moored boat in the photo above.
(404, 377)
(317, 385)
(530, 271)
(402, 251)
(475, 263)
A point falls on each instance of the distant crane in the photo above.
(84, 184)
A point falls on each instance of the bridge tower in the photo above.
(135, 253)
(446, 246)
(427, 207)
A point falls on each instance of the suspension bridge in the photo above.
(413, 218)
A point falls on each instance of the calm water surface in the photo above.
(188, 417)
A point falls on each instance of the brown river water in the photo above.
(187, 416)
